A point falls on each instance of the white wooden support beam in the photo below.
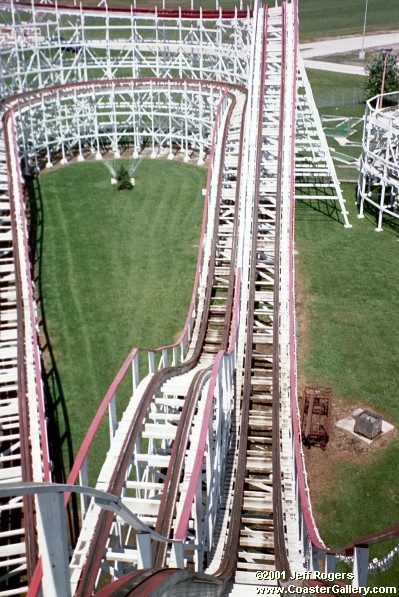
(178, 554)
(330, 563)
(53, 543)
(360, 566)
(112, 419)
(144, 550)
(175, 356)
(151, 366)
(191, 322)
(84, 480)
(199, 525)
(164, 357)
(182, 349)
(135, 372)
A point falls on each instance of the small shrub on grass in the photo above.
(123, 179)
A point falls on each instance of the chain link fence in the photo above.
(339, 97)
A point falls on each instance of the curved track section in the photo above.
(207, 455)
(78, 43)
(23, 434)
(172, 392)
(378, 185)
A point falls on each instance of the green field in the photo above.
(351, 305)
(317, 18)
(349, 294)
(323, 18)
(115, 271)
(333, 92)
(352, 290)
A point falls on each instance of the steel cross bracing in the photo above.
(147, 475)
(379, 163)
(52, 45)
(315, 176)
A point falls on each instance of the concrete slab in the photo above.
(348, 424)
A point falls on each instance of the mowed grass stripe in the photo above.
(350, 292)
(72, 268)
(323, 18)
(117, 270)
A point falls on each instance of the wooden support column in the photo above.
(53, 542)
(360, 566)
(144, 550)
(113, 422)
(84, 481)
(330, 563)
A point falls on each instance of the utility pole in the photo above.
(361, 53)
(386, 52)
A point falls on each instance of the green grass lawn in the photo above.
(323, 18)
(336, 93)
(116, 271)
(351, 301)
(350, 289)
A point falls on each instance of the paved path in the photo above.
(328, 47)
(335, 67)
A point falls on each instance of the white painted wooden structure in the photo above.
(379, 163)
(315, 176)
(228, 87)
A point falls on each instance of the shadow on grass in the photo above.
(325, 208)
(390, 224)
(58, 428)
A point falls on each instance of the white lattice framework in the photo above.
(50, 46)
(379, 163)
(62, 50)
(315, 176)
(83, 119)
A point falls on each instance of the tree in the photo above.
(123, 179)
(374, 71)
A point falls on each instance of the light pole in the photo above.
(361, 53)
(386, 52)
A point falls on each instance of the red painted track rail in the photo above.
(121, 8)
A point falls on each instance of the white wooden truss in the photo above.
(315, 175)
(378, 185)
